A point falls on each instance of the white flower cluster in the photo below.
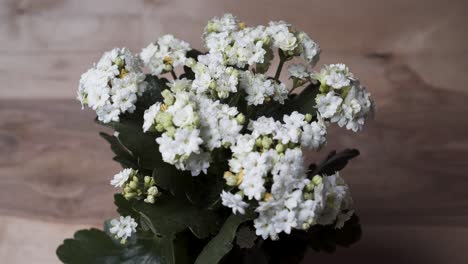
(164, 55)
(111, 87)
(211, 107)
(191, 126)
(123, 228)
(343, 99)
(234, 46)
(260, 89)
(132, 188)
(267, 166)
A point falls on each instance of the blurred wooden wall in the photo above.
(410, 183)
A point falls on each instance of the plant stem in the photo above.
(173, 75)
(280, 67)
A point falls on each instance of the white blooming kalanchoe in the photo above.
(342, 99)
(164, 55)
(122, 228)
(112, 85)
(227, 108)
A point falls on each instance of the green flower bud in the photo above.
(212, 85)
(308, 196)
(317, 180)
(305, 226)
(168, 97)
(133, 185)
(258, 142)
(170, 131)
(240, 119)
(308, 118)
(280, 148)
(129, 196)
(310, 186)
(266, 142)
(119, 62)
(159, 128)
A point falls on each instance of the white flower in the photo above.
(298, 71)
(188, 141)
(314, 135)
(112, 85)
(310, 49)
(185, 116)
(284, 221)
(328, 104)
(234, 201)
(121, 177)
(282, 38)
(336, 76)
(197, 163)
(123, 228)
(150, 116)
(168, 53)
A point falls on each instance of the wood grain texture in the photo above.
(409, 183)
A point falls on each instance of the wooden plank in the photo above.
(38, 240)
(53, 165)
(55, 75)
(73, 33)
(411, 156)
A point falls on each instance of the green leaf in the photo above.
(333, 162)
(221, 244)
(124, 206)
(122, 155)
(89, 246)
(173, 180)
(246, 237)
(152, 93)
(170, 216)
(141, 145)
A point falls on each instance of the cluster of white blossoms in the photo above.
(191, 125)
(123, 228)
(164, 55)
(342, 98)
(267, 166)
(112, 85)
(216, 105)
(133, 188)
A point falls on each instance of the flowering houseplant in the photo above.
(213, 159)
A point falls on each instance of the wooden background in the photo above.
(410, 183)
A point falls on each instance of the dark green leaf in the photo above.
(246, 237)
(333, 162)
(124, 206)
(89, 246)
(221, 244)
(173, 180)
(142, 145)
(170, 216)
(152, 93)
(122, 155)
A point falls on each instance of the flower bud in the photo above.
(240, 119)
(231, 179)
(279, 148)
(308, 118)
(153, 191)
(317, 179)
(190, 62)
(149, 199)
(168, 97)
(266, 142)
(308, 196)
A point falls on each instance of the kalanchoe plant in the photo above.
(213, 160)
